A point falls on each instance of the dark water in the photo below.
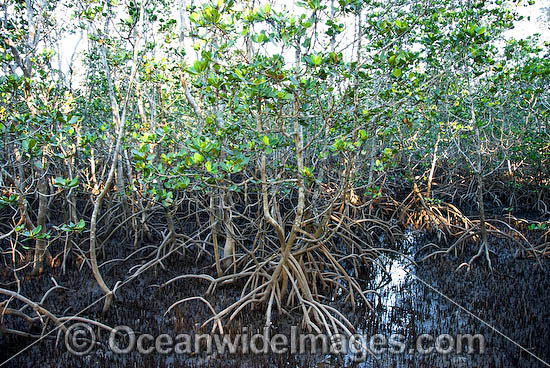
(515, 299)
(431, 298)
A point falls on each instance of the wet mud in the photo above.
(514, 300)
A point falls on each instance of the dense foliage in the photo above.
(280, 143)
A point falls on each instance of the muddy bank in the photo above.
(514, 300)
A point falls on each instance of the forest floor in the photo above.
(513, 299)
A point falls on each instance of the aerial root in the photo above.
(449, 223)
(443, 218)
(42, 316)
(287, 283)
(483, 249)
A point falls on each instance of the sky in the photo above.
(536, 20)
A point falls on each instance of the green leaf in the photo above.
(184, 183)
(73, 183)
(259, 37)
(397, 72)
(199, 65)
(139, 156)
(197, 158)
(11, 200)
(285, 96)
(316, 59)
(239, 74)
(73, 120)
(59, 182)
(195, 17)
(37, 230)
(208, 166)
(81, 224)
(266, 140)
